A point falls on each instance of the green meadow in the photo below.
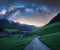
(14, 43)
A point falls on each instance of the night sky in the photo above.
(31, 12)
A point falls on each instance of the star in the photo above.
(3, 12)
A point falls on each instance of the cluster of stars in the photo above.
(27, 7)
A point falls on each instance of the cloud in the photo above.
(14, 15)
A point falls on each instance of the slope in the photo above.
(52, 40)
(55, 27)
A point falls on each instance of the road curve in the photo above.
(36, 44)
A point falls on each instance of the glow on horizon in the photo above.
(30, 22)
(35, 24)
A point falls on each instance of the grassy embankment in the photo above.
(50, 35)
(14, 43)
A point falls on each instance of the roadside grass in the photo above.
(14, 43)
(52, 40)
(55, 27)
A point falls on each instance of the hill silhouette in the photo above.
(55, 19)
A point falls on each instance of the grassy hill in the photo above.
(50, 35)
(55, 27)
(52, 40)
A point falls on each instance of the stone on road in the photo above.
(36, 44)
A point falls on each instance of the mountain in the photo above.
(6, 24)
(55, 19)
